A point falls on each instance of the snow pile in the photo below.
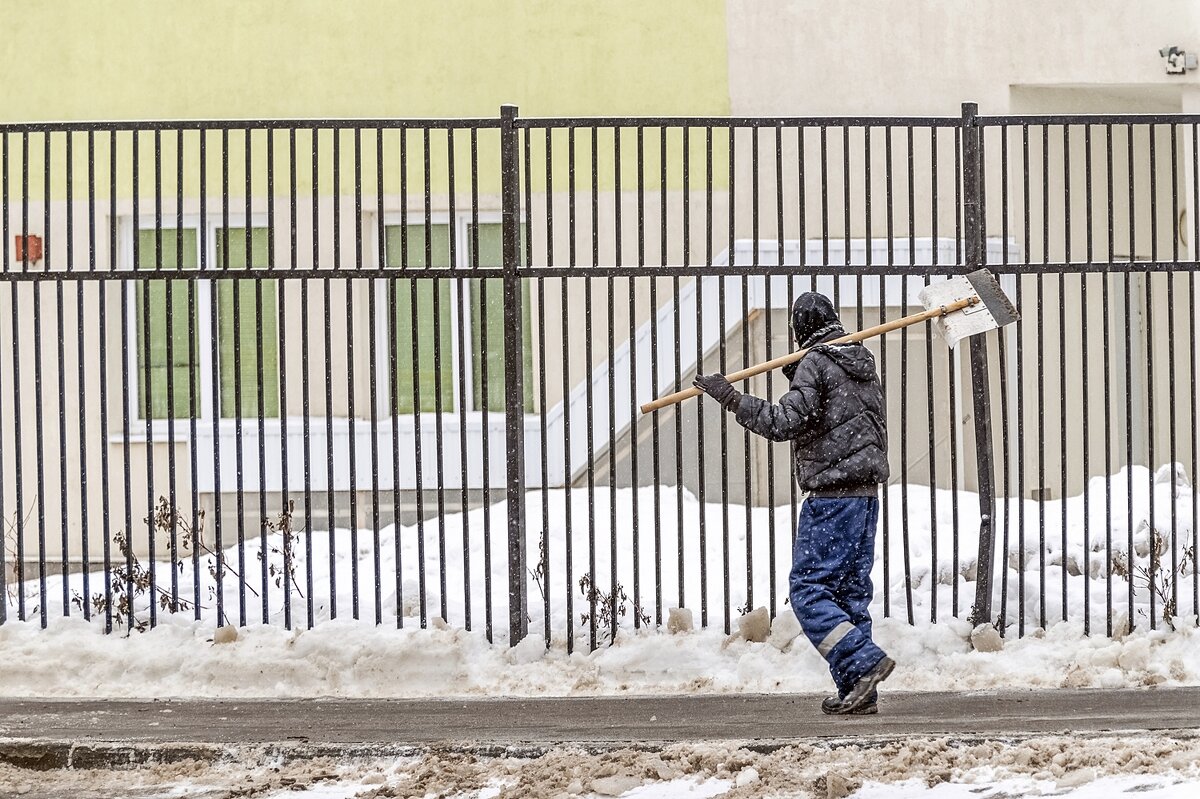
(345, 658)
(467, 552)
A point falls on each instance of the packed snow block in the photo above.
(616, 785)
(531, 649)
(225, 635)
(837, 786)
(1120, 627)
(986, 638)
(1172, 474)
(1074, 779)
(755, 626)
(679, 620)
(785, 629)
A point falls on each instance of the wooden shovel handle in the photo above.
(792, 357)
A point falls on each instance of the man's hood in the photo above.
(814, 319)
(854, 359)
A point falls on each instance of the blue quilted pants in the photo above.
(831, 589)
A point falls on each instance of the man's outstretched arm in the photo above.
(783, 421)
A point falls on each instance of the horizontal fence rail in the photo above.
(288, 371)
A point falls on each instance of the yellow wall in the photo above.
(228, 59)
(216, 59)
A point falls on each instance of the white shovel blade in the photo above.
(956, 326)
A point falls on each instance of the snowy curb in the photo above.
(38, 754)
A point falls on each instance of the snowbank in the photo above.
(348, 657)
(345, 658)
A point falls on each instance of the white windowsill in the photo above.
(227, 428)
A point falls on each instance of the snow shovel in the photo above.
(960, 307)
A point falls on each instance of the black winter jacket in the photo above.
(834, 415)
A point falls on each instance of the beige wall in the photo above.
(882, 58)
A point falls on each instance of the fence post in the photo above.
(514, 389)
(973, 230)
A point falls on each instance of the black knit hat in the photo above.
(814, 319)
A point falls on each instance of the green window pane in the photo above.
(175, 245)
(247, 341)
(487, 334)
(420, 371)
(398, 238)
(259, 238)
(164, 390)
(487, 344)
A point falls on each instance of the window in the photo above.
(247, 325)
(426, 299)
(243, 331)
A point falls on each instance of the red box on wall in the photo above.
(28, 248)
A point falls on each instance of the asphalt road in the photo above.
(593, 720)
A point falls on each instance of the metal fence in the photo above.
(287, 371)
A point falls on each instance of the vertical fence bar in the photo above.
(702, 472)
(12, 299)
(38, 409)
(3, 523)
(723, 365)
(676, 321)
(1083, 302)
(591, 594)
(1062, 358)
(974, 230)
(1128, 352)
(260, 375)
(103, 341)
(125, 537)
(327, 355)
(1148, 332)
(613, 596)
(235, 288)
(62, 392)
(1168, 615)
(373, 373)
(1108, 442)
(929, 401)
(655, 437)
(305, 377)
(953, 369)
(436, 288)
(569, 566)
(904, 380)
(514, 405)
(461, 285)
(889, 226)
(281, 299)
(772, 595)
(544, 554)
(1191, 287)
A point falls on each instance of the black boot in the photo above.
(830, 705)
(863, 692)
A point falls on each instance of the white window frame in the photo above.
(460, 303)
(160, 429)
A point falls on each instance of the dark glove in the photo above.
(717, 387)
(789, 370)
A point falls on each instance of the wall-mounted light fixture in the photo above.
(1177, 61)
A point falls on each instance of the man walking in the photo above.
(833, 413)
